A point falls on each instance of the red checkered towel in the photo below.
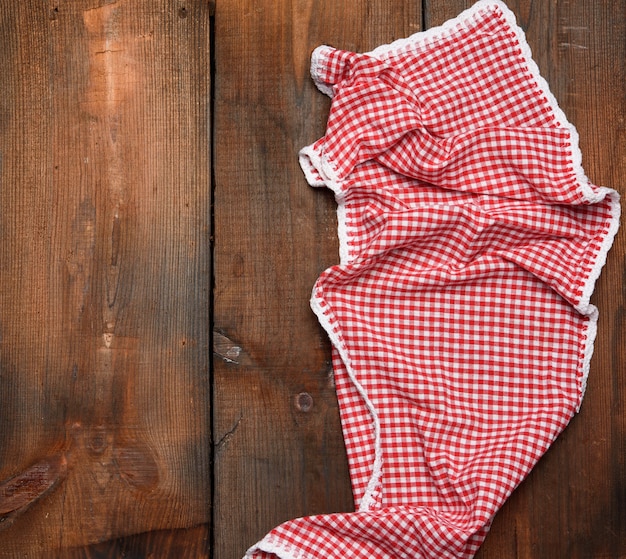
(459, 314)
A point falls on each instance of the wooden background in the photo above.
(151, 206)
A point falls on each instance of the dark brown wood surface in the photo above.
(279, 451)
(121, 123)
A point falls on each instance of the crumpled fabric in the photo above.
(470, 242)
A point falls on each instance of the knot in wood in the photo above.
(304, 402)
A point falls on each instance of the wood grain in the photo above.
(105, 270)
(279, 452)
(188, 543)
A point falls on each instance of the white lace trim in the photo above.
(269, 544)
(320, 173)
(584, 307)
(316, 65)
(368, 500)
(600, 256)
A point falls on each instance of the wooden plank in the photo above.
(189, 543)
(572, 504)
(104, 244)
(278, 447)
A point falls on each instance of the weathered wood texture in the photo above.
(105, 278)
(106, 447)
(279, 452)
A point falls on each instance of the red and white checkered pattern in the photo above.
(459, 315)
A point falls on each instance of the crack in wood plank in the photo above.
(219, 445)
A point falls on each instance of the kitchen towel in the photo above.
(470, 242)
